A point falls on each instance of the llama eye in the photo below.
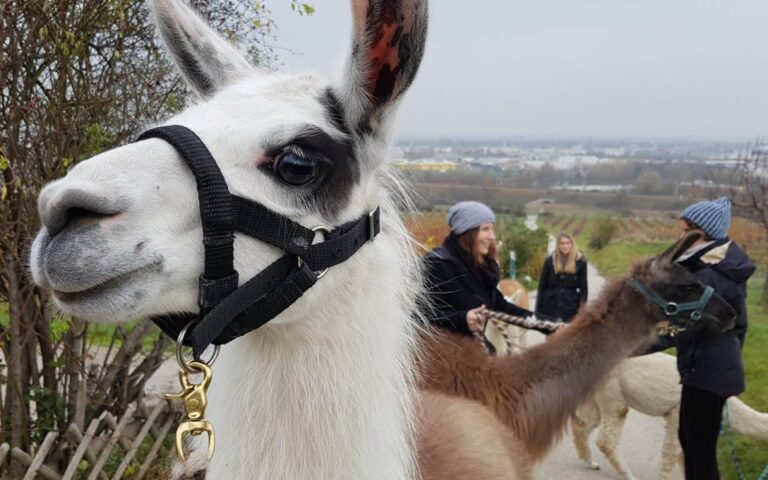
(295, 169)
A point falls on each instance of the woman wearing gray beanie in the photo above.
(462, 274)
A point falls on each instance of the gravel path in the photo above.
(640, 448)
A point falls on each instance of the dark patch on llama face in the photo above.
(330, 191)
(179, 42)
(335, 111)
(392, 56)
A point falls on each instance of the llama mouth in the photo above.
(108, 287)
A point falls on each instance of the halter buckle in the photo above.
(372, 224)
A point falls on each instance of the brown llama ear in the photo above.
(387, 46)
(671, 254)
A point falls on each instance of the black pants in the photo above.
(700, 416)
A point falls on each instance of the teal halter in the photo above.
(673, 309)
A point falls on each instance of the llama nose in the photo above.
(60, 205)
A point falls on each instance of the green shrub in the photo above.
(530, 247)
(602, 232)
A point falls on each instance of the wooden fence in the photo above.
(104, 437)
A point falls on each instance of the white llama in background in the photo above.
(649, 384)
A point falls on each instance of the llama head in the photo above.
(121, 235)
(674, 283)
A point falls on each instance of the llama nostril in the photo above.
(64, 206)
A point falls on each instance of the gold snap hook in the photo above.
(193, 395)
(194, 398)
(669, 330)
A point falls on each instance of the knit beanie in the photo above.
(713, 217)
(465, 216)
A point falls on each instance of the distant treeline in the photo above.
(513, 200)
(640, 177)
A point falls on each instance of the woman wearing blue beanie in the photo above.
(710, 363)
(462, 274)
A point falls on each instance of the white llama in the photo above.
(324, 391)
(649, 384)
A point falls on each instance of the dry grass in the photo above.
(428, 229)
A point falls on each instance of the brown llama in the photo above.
(535, 393)
(459, 438)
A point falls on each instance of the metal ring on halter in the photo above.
(326, 230)
(180, 355)
(671, 308)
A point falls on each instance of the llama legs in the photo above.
(586, 420)
(608, 440)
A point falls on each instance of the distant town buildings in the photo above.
(641, 167)
(506, 156)
(426, 165)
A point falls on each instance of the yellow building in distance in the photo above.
(425, 165)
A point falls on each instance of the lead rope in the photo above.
(500, 319)
(726, 428)
(531, 323)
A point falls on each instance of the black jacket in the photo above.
(454, 289)
(708, 360)
(561, 294)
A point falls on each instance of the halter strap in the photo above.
(219, 277)
(673, 309)
(226, 311)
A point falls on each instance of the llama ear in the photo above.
(387, 45)
(671, 254)
(206, 60)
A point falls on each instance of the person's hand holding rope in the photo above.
(475, 321)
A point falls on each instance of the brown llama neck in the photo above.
(535, 393)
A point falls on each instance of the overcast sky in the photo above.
(648, 69)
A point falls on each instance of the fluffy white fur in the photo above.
(325, 390)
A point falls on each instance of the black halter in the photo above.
(226, 311)
(673, 310)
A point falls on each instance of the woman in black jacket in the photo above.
(710, 363)
(462, 274)
(563, 282)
